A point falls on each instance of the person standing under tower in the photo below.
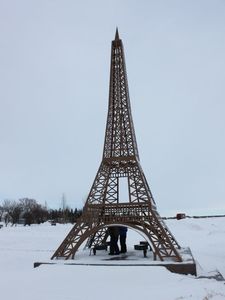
(114, 236)
(123, 236)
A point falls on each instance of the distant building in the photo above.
(180, 216)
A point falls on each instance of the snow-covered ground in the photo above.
(21, 246)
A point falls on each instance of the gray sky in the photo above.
(54, 78)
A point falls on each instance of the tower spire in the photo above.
(117, 34)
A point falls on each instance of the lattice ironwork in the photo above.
(120, 159)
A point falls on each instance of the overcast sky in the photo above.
(54, 79)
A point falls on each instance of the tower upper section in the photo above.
(120, 140)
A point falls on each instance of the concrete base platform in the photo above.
(174, 268)
(130, 259)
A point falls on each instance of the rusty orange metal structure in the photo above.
(104, 207)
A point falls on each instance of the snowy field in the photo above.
(21, 246)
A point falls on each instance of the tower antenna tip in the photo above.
(117, 34)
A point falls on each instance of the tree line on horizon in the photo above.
(28, 211)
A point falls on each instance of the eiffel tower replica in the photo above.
(103, 207)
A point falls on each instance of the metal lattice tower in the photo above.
(120, 160)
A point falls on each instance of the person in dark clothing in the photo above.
(123, 236)
(114, 235)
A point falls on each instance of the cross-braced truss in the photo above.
(104, 207)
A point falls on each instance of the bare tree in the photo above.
(12, 210)
(1, 212)
(32, 211)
